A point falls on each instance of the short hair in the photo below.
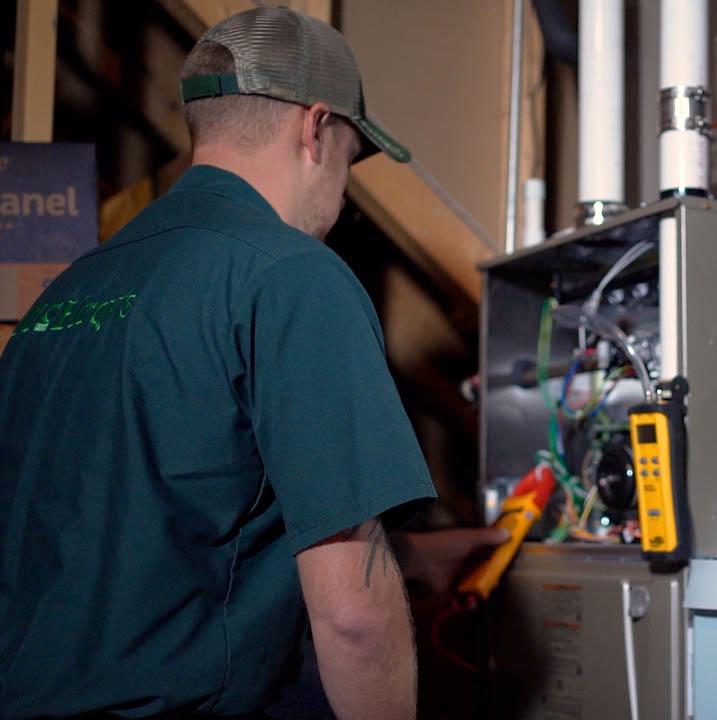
(246, 121)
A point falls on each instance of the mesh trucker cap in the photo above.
(284, 55)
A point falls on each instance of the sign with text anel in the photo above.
(48, 217)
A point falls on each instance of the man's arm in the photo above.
(437, 558)
(361, 625)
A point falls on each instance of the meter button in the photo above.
(656, 472)
(643, 461)
(655, 460)
(654, 513)
(644, 473)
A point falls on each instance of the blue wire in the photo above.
(566, 383)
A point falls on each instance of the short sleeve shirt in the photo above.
(183, 410)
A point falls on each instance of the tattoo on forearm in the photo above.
(377, 544)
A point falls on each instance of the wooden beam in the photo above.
(320, 9)
(155, 92)
(416, 220)
(33, 96)
(195, 16)
(33, 92)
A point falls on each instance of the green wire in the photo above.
(568, 482)
(545, 333)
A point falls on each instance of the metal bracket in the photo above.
(683, 107)
(597, 212)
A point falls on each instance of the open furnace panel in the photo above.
(570, 332)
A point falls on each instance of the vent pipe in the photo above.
(684, 147)
(601, 183)
(684, 98)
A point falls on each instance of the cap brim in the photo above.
(379, 141)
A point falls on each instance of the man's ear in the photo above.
(313, 131)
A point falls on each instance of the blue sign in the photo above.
(48, 202)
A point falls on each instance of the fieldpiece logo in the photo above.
(66, 314)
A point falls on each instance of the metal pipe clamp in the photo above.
(597, 212)
(685, 108)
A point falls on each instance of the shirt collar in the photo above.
(211, 179)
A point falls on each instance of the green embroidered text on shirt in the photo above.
(66, 314)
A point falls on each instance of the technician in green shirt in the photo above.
(199, 437)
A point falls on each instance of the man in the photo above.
(197, 428)
(199, 434)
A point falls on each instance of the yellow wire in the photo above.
(588, 507)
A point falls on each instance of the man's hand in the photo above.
(361, 625)
(436, 558)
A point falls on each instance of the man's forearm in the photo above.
(367, 656)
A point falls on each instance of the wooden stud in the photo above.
(198, 15)
(157, 91)
(33, 95)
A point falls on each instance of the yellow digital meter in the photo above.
(659, 447)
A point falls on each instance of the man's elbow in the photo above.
(358, 625)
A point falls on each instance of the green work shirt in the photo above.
(183, 410)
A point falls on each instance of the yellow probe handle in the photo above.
(519, 514)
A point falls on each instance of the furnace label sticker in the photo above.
(561, 618)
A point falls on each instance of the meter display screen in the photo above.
(646, 434)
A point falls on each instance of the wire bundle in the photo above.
(579, 502)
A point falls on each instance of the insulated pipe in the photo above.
(601, 184)
(684, 148)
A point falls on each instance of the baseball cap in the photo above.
(282, 54)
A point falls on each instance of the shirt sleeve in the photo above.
(336, 443)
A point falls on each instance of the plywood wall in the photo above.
(437, 75)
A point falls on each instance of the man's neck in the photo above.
(264, 171)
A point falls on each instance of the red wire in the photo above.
(438, 622)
